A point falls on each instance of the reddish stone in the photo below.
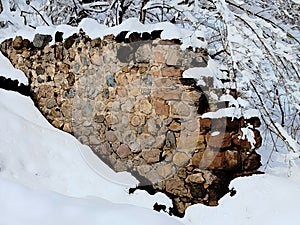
(233, 124)
(171, 72)
(227, 160)
(219, 140)
(257, 138)
(123, 151)
(232, 160)
(121, 92)
(205, 124)
(159, 57)
(161, 107)
(250, 161)
(168, 94)
(211, 160)
(242, 144)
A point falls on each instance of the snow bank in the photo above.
(22, 205)
(261, 199)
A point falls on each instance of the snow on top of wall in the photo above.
(211, 70)
(233, 112)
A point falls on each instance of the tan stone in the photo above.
(58, 124)
(136, 120)
(191, 125)
(110, 136)
(172, 57)
(121, 79)
(17, 43)
(180, 159)
(176, 186)
(97, 60)
(68, 128)
(188, 140)
(26, 54)
(151, 156)
(145, 106)
(168, 94)
(197, 157)
(195, 178)
(175, 126)
(165, 170)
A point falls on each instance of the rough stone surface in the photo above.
(130, 104)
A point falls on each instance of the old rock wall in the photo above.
(127, 100)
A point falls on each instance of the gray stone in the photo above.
(110, 81)
(87, 109)
(84, 60)
(76, 68)
(41, 40)
(69, 93)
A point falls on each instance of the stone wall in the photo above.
(127, 100)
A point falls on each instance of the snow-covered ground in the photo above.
(48, 177)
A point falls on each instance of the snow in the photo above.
(215, 133)
(293, 144)
(23, 205)
(233, 112)
(211, 70)
(7, 70)
(248, 133)
(260, 199)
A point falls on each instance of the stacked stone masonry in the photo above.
(127, 100)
